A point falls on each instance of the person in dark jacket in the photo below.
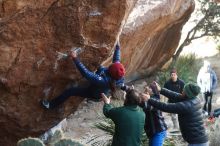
(155, 126)
(174, 84)
(102, 81)
(128, 119)
(189, 109)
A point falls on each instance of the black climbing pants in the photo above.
(208, 101)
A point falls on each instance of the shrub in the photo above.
(30, 142)
(55, 140)
(57, 136)
(187, 68)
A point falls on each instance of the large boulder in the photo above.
(152, 33)
(30, 34)
(32, 31)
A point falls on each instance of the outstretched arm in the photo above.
(117, 54)
(90, 76)
(178, 108)
(108, 109)
(146, 106)
(177, 97)
(168, 93)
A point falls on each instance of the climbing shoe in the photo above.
(45, 103)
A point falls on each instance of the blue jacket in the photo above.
(100, 81)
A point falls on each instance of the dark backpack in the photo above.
(216, 112)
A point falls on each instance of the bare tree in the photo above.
(207, 25)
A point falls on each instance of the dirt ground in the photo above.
(80, 125)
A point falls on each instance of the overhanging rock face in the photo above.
(152, 33)
(30, 34)
(32, 31)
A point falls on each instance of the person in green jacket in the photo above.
(129, 119)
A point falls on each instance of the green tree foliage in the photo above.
(187, 67)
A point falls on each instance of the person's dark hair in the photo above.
(112, 85)
(132, 97)
(126, 88)
(173, 70)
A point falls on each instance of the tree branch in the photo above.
(188, 39)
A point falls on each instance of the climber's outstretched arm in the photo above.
(117, 54)
(90, 76)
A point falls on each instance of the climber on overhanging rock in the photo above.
(103, 80)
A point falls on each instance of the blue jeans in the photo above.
(158, 139)
(200, 144)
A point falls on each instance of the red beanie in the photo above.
(116, 70)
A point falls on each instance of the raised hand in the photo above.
(147, 89)
(145, 96)
(105, 98)
(72, 54)
(157, 86)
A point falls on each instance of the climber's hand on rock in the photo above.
(105, 98)
(72, 54)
